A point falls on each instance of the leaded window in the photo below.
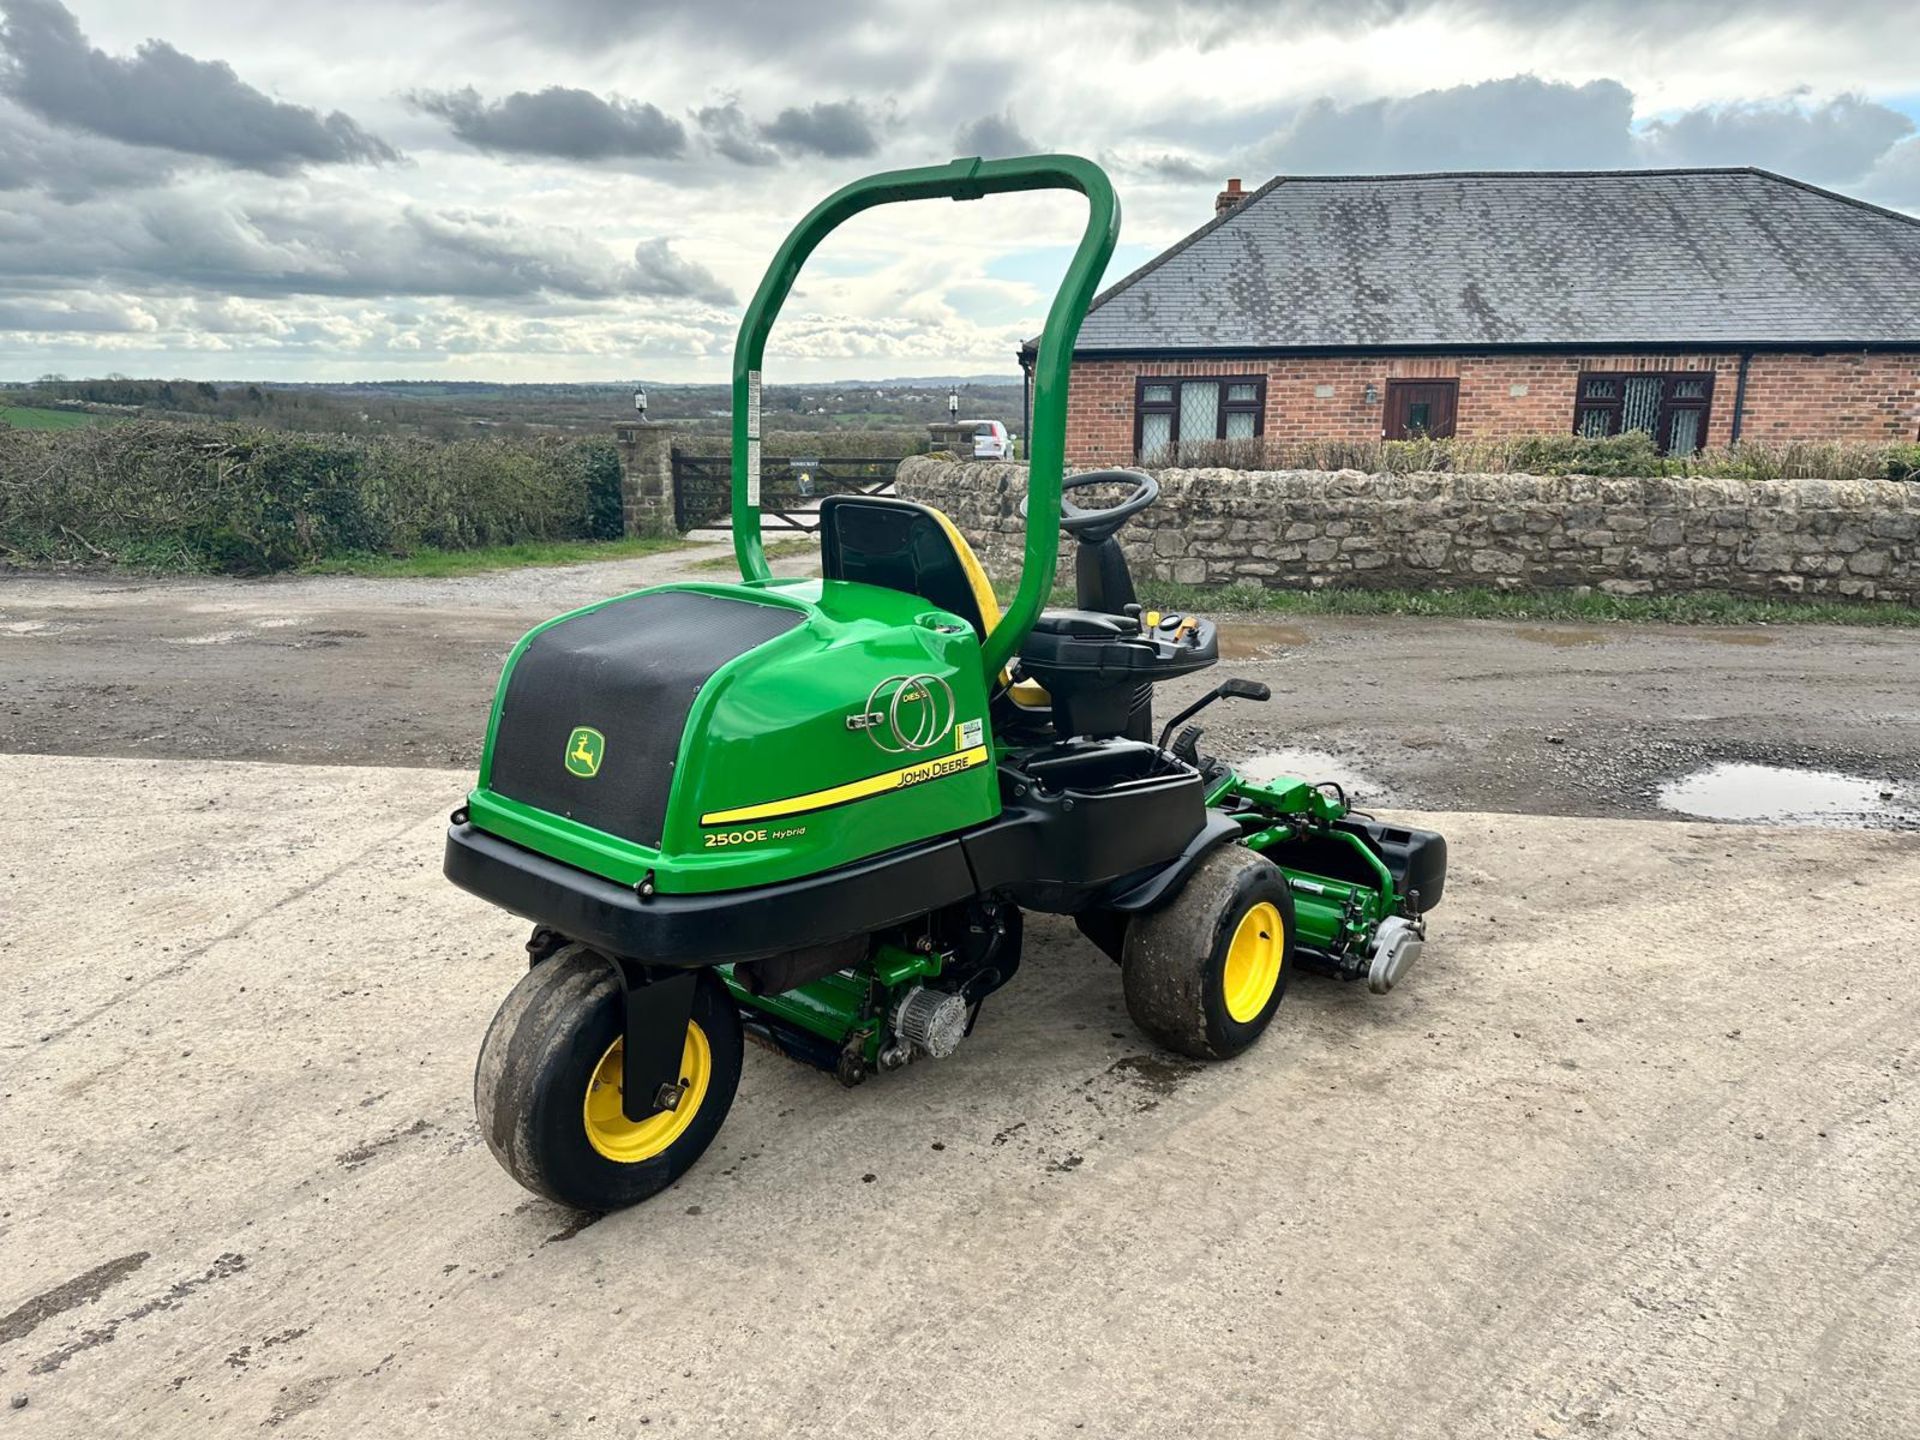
(1173, 411)
(1671, 407)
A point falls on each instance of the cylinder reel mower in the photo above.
(814, 811)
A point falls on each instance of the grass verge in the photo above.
(1697, 608)
(441, 564)
(778, 550)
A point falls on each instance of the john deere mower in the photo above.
(813, 811)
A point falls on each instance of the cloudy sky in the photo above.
(588, 189)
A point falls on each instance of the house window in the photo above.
(1169, 412)
(1672, 408)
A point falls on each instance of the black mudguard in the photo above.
(1106, 924)
(1159, 888)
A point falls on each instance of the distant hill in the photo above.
(899, 382)
(447, 408)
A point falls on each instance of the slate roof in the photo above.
(1640, 257)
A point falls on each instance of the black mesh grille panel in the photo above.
(630, 671)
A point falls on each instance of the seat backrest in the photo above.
(880, 540)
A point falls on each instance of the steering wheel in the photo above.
(1093, 526)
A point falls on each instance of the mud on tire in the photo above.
(547, 1041)
(1175, 961)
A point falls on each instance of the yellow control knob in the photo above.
(1153, 620)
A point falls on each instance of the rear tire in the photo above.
(547, 1097)
(1204, 974)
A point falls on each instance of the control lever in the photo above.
(1187, 747)
(1232, 689)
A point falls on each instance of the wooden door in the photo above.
(1421, 409)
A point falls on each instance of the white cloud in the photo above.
(1522, 123)
(583, 239)
(1895, 177)
(163, 98)
(1834, 143)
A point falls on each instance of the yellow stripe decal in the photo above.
(916, 774)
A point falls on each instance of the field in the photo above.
(27, 417)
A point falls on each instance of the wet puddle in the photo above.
(217, 637)
(1313, 766)
(45, 629)
(1559, 636)
(1159, 1074)
(1734, 637)
(1779, 795)
(1255, 642)
(1570, 637)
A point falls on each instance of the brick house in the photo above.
(1704, 306)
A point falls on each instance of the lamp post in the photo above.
(640, 401)
(953, 407)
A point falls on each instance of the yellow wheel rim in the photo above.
(627, 1142)
(1253, 962)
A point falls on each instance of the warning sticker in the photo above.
(753, 405)
(753, 473)
(967, 734)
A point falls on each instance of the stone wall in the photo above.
(1302, 529)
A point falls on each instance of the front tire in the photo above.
(1204, 974)
(546, 1088)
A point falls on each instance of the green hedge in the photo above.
(1629, 454)
(250, 501)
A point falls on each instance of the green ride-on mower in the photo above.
(814, 810)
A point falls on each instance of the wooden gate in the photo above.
(791, 488)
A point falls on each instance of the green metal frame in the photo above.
(1329, 915)
(968, 179)
(848, 1002)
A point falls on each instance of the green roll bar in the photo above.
(1046, 446)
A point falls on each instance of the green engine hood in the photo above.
(723, 736)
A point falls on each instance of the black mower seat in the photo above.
(879, 540)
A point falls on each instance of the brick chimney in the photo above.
(1228, 198)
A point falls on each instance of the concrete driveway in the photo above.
(1633, 1152)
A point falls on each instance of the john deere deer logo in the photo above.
(584, 750)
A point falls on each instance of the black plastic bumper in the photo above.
(1097, 825)
(716, 928)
